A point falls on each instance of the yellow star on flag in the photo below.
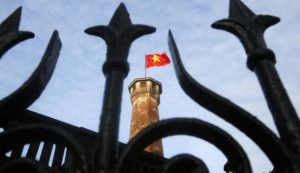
(155, 58)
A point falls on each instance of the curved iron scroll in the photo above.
(22, 165)
(237, 158)
(185, 163)
(232, 113)
(42, 132)
(25, 95)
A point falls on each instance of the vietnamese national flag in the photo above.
(157, 60)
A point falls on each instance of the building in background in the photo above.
(145, 100)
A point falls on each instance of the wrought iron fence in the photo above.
(101, 152)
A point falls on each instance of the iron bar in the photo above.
(32, 150)
(118, 35)
(46, 152)
(21, 126)
(109, 123)
(249, 28)
(58, 155)
(284, 114)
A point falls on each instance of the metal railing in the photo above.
(102, 153)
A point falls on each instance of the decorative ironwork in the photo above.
(101, 152)
(237, 159)
(34, 86)
(118, 35)
(249, 28)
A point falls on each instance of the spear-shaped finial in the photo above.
(249, 28)
(239, 11)
(118, 35)
(9, 32)
(121, 14)
(11, 23)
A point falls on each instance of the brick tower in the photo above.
(145, 100)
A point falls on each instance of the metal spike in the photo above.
(247, 26)
(239, 11)
(9, 32)
(121, 18)
(11, 23)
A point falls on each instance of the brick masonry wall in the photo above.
(145, 101)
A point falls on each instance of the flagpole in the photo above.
(145, 65)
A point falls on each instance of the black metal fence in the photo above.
(54, 146)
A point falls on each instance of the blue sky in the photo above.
(213, 57)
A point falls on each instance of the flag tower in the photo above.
(145, 94)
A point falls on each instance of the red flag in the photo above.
(157, 60)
